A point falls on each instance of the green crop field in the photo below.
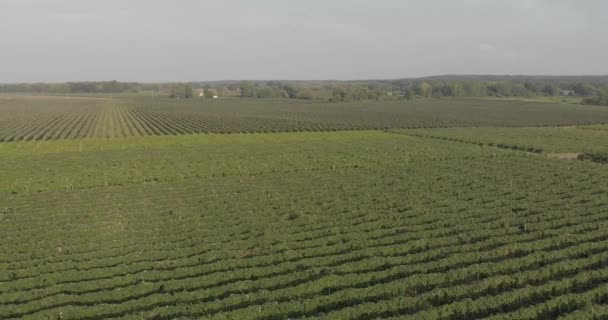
(545, 139)
(120, 209)
(595, 127)
(52, 118)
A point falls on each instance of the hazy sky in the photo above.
(184, 40)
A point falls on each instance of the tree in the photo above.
(439, 90)
(519, 90)
(550, 89)
(305, 94)
(600, 99)
(455, 89)
(247, 89)
(583, 89)
(361, 93)
(340, 94)
(409, 94)
(424, 89)
(290, 90)
(209, 93)
(503, 88)
(377, 94)
(265, 91)
(188, 91)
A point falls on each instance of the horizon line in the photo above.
(318, 80)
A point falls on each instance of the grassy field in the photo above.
(25, 118)
(355, 224)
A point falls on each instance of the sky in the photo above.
(188, 40)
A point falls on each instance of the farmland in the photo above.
(56, 118)
(122, 208)
(545, 139)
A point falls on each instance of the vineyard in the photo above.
(54, 118)
(572, 139)
(124, 213)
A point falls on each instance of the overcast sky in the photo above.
(187, 40)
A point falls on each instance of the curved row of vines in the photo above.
(418, 229)
(36, 119)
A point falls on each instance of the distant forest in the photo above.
(590, 89)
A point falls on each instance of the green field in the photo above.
(595, 127)
(372, 221)
(575, 139)
(52, 118)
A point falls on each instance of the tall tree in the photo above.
(188, 93)
(424, 89)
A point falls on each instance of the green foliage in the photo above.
(599, 157)
(546, 139)
(346, 91)
(424, 89)
(188, 93)
(305, 94)
(599, 99)
(181, 90)
(247, 89)
(336, 225)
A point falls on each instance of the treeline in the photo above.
(590, 89)
(173, 90)
(599, 99)
(100, 87)
(74, 87)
